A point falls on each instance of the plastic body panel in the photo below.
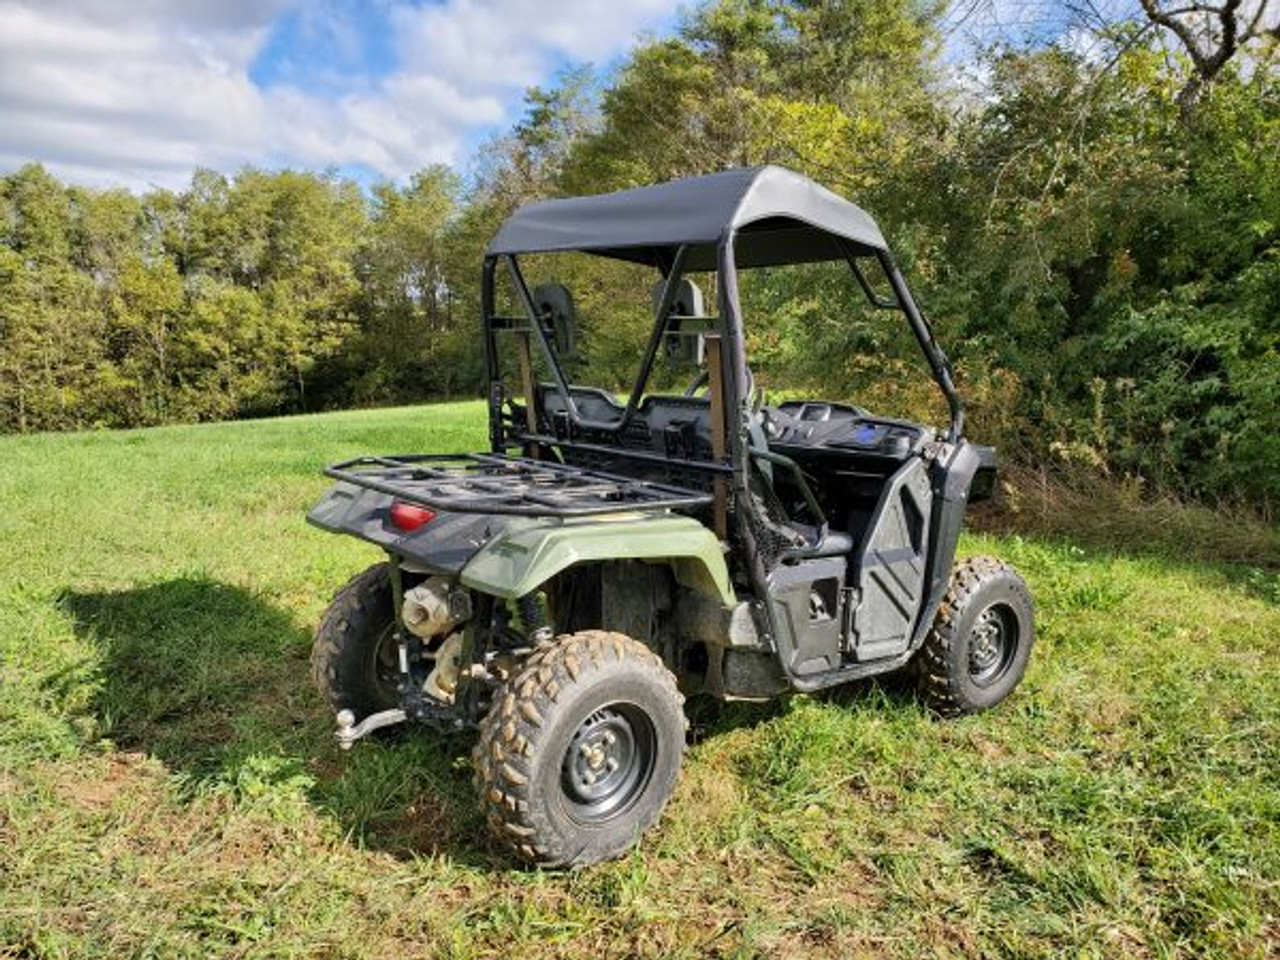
(952, 474)
(808, 638)
(444, 545)
(528, 553)
(890, 566)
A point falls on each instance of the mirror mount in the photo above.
(685, 326)
(554, 305)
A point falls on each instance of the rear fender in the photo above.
(442, 546)
(527, 554)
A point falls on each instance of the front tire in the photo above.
(354, 657)
(581, 749)
(978, 648)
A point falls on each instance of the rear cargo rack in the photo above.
(496, 484)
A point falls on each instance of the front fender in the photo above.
(527, 554)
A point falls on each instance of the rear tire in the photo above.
(581, 749)
(977, 650)
(354, 657)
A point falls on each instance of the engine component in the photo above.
(427, 610)
(442, 682)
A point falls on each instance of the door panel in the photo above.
(889, 571)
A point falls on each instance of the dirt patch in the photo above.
(426, 829)
(95, 786)
(989, 749)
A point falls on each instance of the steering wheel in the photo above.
(775, 423)
(700, 382)
(703, 379)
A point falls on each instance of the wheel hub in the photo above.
(606, 763)
(991, 645)
(386, 664)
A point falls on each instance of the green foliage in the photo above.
(226, 300)
(1101, 263)
(405, 305)
(1122, 262)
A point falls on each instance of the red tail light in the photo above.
(409, 516)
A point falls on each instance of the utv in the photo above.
(564, 591)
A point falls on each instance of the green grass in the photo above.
(168, 784)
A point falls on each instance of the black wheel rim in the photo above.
(384, 660)
(993, 643)
(608, 762)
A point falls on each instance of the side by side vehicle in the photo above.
(564, 590)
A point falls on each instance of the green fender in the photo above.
(527, 554)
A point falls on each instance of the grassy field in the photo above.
(168, 785)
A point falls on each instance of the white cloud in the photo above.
(141, 93)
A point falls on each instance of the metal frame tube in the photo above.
(735, 349)
(673, 277)
(938, 362)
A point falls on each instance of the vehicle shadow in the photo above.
(214, 681)
(709, 717)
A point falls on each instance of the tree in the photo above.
(1211, 34)
(405, 304)
(50, 335)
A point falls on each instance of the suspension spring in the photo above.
(533, 617)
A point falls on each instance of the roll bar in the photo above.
(732, 330)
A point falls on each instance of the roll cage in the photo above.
(833, 229)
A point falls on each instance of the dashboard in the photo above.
(806, 425)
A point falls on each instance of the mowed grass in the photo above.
(168, 785)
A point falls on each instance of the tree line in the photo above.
(1093, 228)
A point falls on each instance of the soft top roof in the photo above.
(781, 217)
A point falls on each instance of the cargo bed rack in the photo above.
(518, 486)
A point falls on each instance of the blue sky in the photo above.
(107, 92)
(326, 48)
(138, 93)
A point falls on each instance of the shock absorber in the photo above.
(532, 608)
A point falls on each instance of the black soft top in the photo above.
(781, 217)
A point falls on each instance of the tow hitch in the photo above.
(349, 731)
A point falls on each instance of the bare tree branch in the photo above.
(1211, 34)
(1253, 30)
